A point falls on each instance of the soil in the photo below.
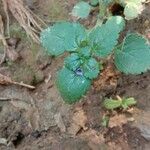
(40, 120)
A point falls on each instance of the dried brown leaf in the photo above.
(118, 120)
(108, 78)
(78, 121)
(80, 118)
(74, 129)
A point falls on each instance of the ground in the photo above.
(40, 120)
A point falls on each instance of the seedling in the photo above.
(132, 56)
(132, 8)
(124, 103)
(105, 121)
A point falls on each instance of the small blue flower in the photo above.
(79, 72)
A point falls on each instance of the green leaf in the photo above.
(112, 104)
(128, 102)
(134, 55)
(71, 86)
(72, 62)
(94, 2)
(62, 36)
(85, 52)
(137, 2)
(132, 10)
(131, 1)
(104, 38)
(105, 121)
(106, 2)
(81, 10)
(91, 68)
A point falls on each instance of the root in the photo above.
(31, 23)
(8, 51)
(2, 38)
(7, 16)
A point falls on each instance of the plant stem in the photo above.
(119, 98)
(24, 85)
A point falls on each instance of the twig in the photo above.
(3, 39)
(119, 98)
(5, 99)
(3, 58)
(4, 80)
(24, 85)
(8, 51)
(7, 16)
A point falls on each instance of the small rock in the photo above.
(3, 141)
(36, 134)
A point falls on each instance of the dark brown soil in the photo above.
(40, 120)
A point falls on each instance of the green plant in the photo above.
(81, 10)
(119, 103)
(132, 56)
(132, 8)
(105, 121)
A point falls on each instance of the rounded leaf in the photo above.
(85, 52)
(132, 10)
(71, 86)
(112, 104)
(81, 10)
(72, 62)
(134, 55)
(91, 68)
(62, 36)
(94, 2)
(127, 102)
(104, 38)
